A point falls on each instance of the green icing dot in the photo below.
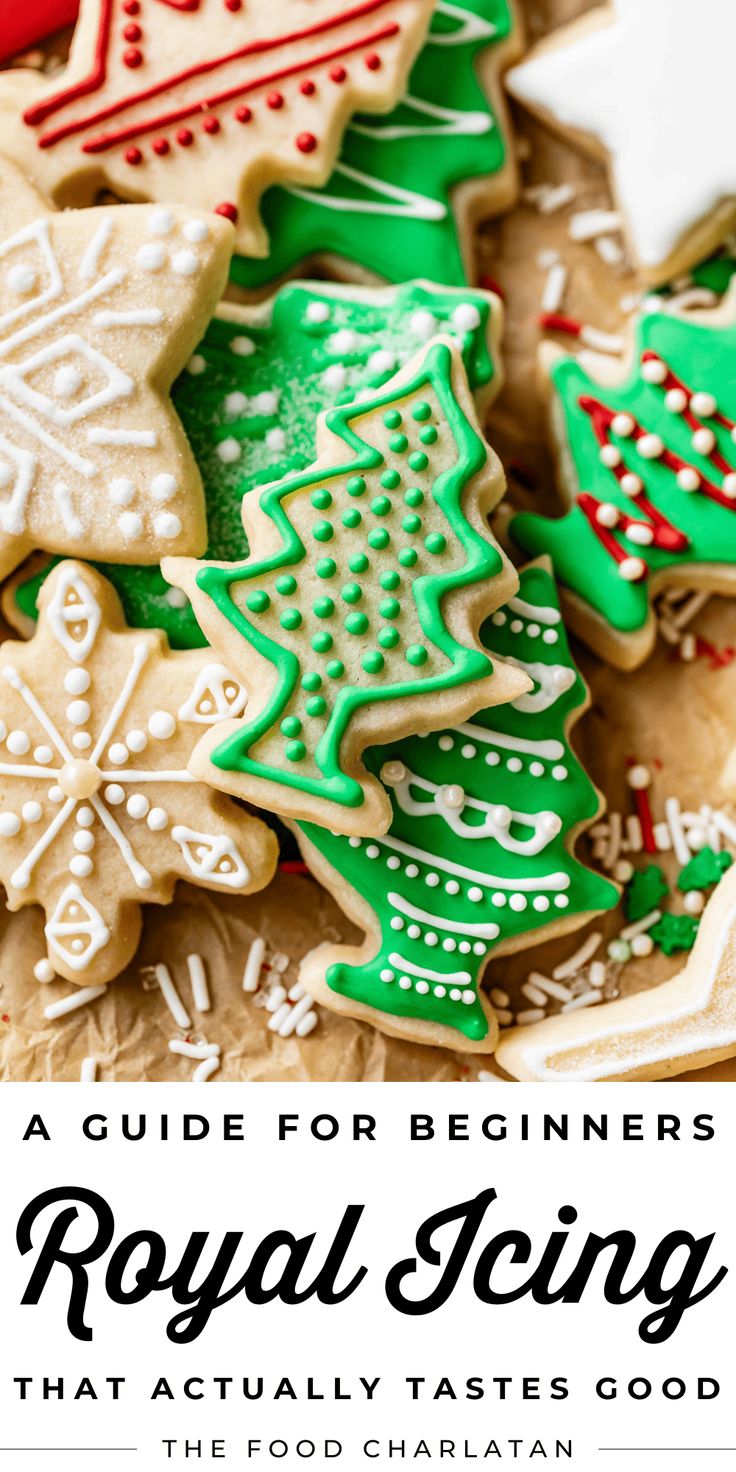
(311, 681)
(295, 751)
(359, 563)
(286, 584)
(392, 419)
(407, 556)
(435, 542)
(428, 435)
(378, 538)
(414, 496)
(389, 608)
(290, 618)
(352, 517)
(390, 580)
(323, 607)
(352, 592)
(326, 567)
(355, 486)
(291, 725)
(418, 460)
(412, 523)
(356, 623)
(390, 480)
(381, 505)
(388, 638)
(335, 669)
(373, 662)
(321, 499)
(258, 602)
(316, 705)
(398, 442)
(322, 642)
(416, 654)
(421, 411)
(323, 531)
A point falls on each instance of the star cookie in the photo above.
(98, 812)
(208, 102)
(647, 84)
(99, 310)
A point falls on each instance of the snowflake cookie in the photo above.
(99, 310)
(208, 102)
(98, 812)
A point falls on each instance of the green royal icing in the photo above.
(331, 522)
(388, 201)
(461, 873)
(701, 357)
(257, 391)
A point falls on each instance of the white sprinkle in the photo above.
(613, 847)
(276, 1022)
(205, 1070)
(500, 998)
(276, 999)
(198, 981)
(603, 342)
(295, 1016)
(504, 1017)
(693, 296)
(577, 960)
(252, 972)
(296, 992)
(587, 999)
(44, 971)
(637, 927)
(589, 224)
(662, 837)
(171, 996)
(679, 842)
(194, 1050)
(532, 1014)
(554, 288)
(88, 1071)
(634, 840)
(609, 250)
(548, 987)
(547, 258)
(533, 994)
(597, 973)
(307, 1025)
(549, 198)
(70, 1004)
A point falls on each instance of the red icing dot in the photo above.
(243, 114)
(373, 61)
(161, 146)
(133, 57)
(337, 74)
(228, 210)
(131, 7)
(133, 156)
(307, 88)
(274, 100)
(132, 32)
(306, 142)
(211, 125)
(185, 137)
(233, 5)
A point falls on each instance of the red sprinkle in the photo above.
(337, 74)
(6, 1017)
(487, 283)
(161, 146)
(373, 61)
(274, 100)
(228, 211)
(133, 57)
(307, 88)
(293, 866)
(185, 137)
(306, 142)
(243, 114)
(132, 32)
(211, 125)
(556, 322)
(133, 156)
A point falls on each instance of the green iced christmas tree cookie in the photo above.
(478, 856)
(355, 616)
(252, 394)
(407, 186)
(649, 467)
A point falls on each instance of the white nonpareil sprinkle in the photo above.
(252, 972)
(586, 999)
(589, 224)
(44, 971)
(171, 996)
(77, 999)
(637, 927)
(198, 982)
(194, 1050)
(554, 287)
(205, 1070)
(579, 957)
(88, 1071)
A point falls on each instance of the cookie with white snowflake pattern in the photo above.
(99, 311)
(98, 811)
(208, 102)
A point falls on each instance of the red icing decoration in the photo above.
(306, 142)
(133, 57)
(133, 156)
(185, 137)
(243, 114)
(557, 322)
(666, 535)
(131, 7)
(307, 88)
(211, 125)
(233, 5)
(132, 32)
(274, 100)
(373, 61)
(161, 146)
(337, 74)
(229, 211)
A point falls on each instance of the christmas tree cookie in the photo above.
(355, 617)
(648, 466)
(251, 395)
(207, 103)
(98, 812)
(479, 856)
(410, 187)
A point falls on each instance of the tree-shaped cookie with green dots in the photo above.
(648, 467)
(479, 857)
(355, 617)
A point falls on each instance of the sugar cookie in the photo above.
(355, 618)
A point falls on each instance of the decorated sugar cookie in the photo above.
(478, 859)
(355, 617)
(24, 25)
(648, 466)
(208, 102)
(647, 86)
(688, 1022)
(410, 187)
(98, 812)
(251, 395)
(99, 309)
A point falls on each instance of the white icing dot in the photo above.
(160, 222)
(157, 820)
(136, 741)
(498, 618)
(195, 231)
(394, 862)
(118, 754)
(229, 451)
(688, 478)
(130, 524)
(703, 441)
(541, 903)
(163, 487)
(675, 400)
(317, 312)
(67, 381)
(167, 525)
(114, 794)
(382, 361)
(650, 446)
(275, 440)
(137, 805)
(561, 901)
(84, 842)
(81, 865)
(468, 750)
(623, 425)
(76, 682)
(559, 773)
(466, 317)
(151, 257)
(449, 944)
(514, 764)
(423, 324)
(81, 740)
(161, 724)
(236, 403)
(55, 794)
(392, 773)
(335, 377)
(411, 871)
(550, 636)
(632, 569)
(607, 514)
(397, 923)
(18, 743)
(372, 851)
(475, 894)
(387, 975)
(345, 341)
(453, 796)
(266, 402)
(533, 630)
(517, 626)
(455, 994)
(31, 811)
(242, 346)
(446, 743)
(631, 484)
(536, 769)
(653, 370)
(452, 887)
(465, 948)
(176, 598)
(610, 456)
(121, 491)
(518, 902)
(640, 534)
(492, 758)
(44, 971)
(431, 938)
(85, 817)
(479, 948)
(703, 404)
(440, 991)
(422, 987)
(22, 279)
(185, 262)
(468, 997)
(405, 983)
(729, 486)
(196, 365)
(78, 712)
(9, 825)
(432, 880)
(43, 755)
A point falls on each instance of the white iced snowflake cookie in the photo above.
(98, 812)
(99, 311)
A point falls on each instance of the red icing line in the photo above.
(644, 814)
(96, 77)
(293, 866)
(556, 322)
(666, 536)
(589, 506)
(488, 283)
(691, 419)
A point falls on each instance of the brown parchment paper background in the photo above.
(682, 718)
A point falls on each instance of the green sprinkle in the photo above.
(352, 593)
(414, 497)
(295, 751)
(412, 523)
(379, 538)
(323, 531)
(258, 602)
(322, 642)
(355, 486)
(316, 705)
(311, 681)
(356, 623)
(398, 442)
(352, 517)
(390, 480)
(389, 580)
(428, 435)
(381, 505)
(373, 662)
(291, 725)
(359, 563)
(336, 669)
(326, 567)
(321, 499)
(324, 607)
(388, 638)
(435, 542)
(418, 460)
(408, 556)
(421, 411)
(392, 419)
(286, 584)
(389, 608)
(416, 654)
(290, 618)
